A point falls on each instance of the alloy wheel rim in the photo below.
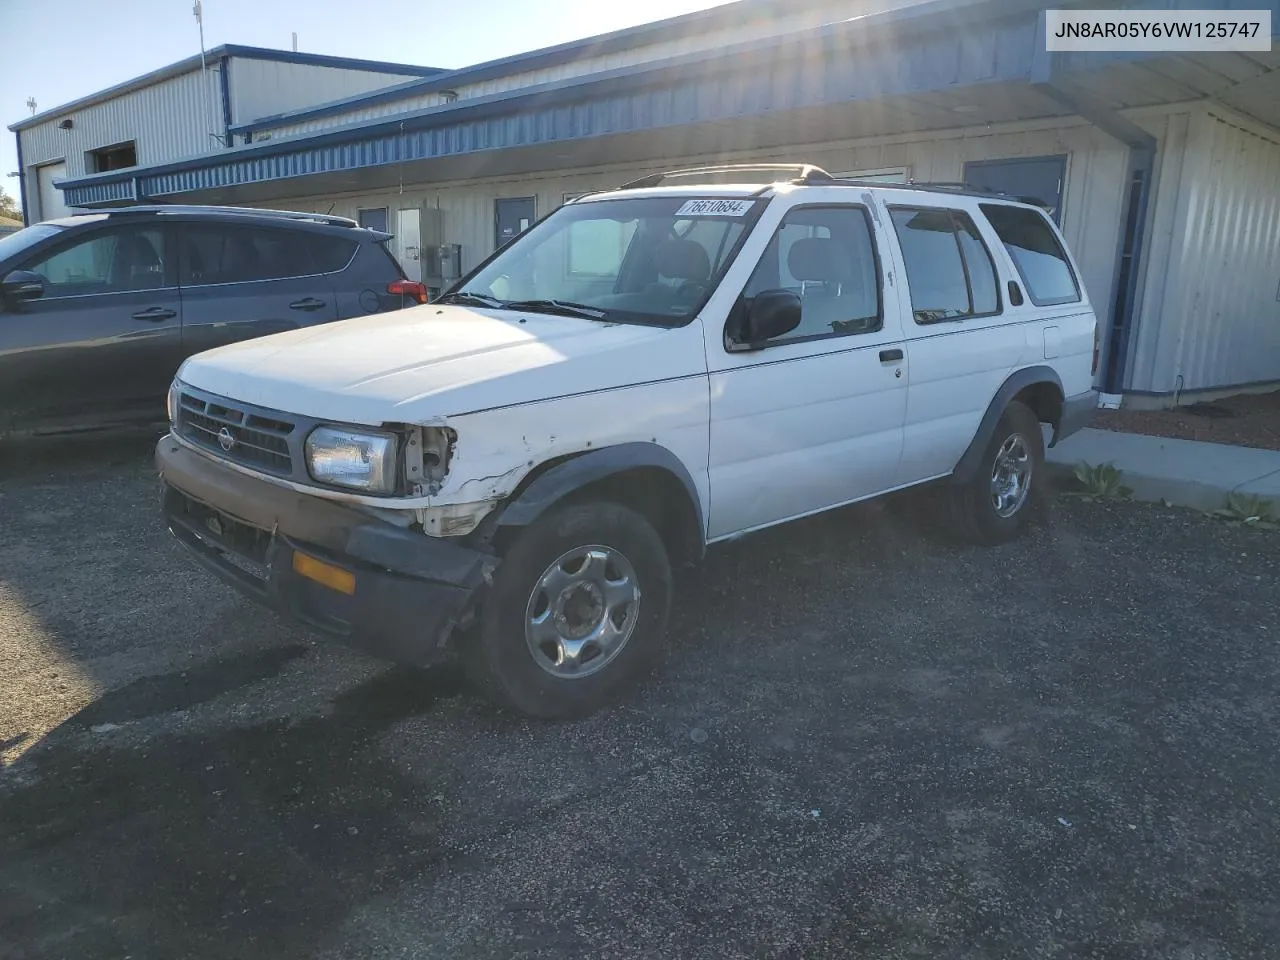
(1011, 476)
(582, 611)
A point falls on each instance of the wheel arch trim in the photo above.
(1014, 384)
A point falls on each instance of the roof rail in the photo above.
(157, 208)
(799, 172)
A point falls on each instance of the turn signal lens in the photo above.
(335, 578)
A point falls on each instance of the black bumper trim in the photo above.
(411, 589)
(1077, 412)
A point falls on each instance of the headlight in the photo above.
(171, 403)
(345, 458)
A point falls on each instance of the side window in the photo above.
(330, 253)
(1035, 251)
(215, 253)
(949, 268)
(827, 256)
(110, 261)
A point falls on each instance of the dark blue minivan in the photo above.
(97, 311)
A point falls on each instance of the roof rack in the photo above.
(799, 173)
(158, 208)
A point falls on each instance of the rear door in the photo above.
(103, 341)
(239, 282)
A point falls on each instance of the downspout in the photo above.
(224, 70)
(1127, 305)
(22, 181)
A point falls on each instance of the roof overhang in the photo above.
(937, 65)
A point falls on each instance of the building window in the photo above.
(373, 218)
(115, 157)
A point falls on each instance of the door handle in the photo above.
(155, 314)
(307, 303)
(889, 356)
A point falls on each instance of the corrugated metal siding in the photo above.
(1091, 209)
(262, 88)
(1211, 305)
(587, 65)
(169, 121)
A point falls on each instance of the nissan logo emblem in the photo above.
(226, 439)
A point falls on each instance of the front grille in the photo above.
(236, 433)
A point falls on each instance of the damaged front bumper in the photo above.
(395, 592)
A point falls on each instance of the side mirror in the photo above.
(771, 314)
(22, 285)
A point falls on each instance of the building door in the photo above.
(1038, 179)
(512, 216)
(408, 242)
(52, 204)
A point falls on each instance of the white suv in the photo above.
(515, 471)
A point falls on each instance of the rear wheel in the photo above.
(1004, 494)
(577, 612)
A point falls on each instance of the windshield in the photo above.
(649, 260)
(15, 243)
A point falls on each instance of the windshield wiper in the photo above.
(471, 299)
(565, 308)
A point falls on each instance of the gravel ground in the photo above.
(862, 744)
(1247, 420)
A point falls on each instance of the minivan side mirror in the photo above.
(771, 313)
(22, 285)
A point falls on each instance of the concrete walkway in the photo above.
(1184, 472)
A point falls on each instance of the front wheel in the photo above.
(1004, 494)
(577, 612)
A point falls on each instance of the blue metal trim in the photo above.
(224, 83)
(22, 181)
(691, 89)
(226, 50)
(731, 14)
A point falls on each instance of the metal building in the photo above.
(1163, 169)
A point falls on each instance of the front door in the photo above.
(240, 282)
(1038, 180)
(512, 216)
(814, 418)
(102, 342)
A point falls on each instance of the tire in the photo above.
(573, 562)
(991, 508)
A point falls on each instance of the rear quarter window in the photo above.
(1036, 253)
(330, 254)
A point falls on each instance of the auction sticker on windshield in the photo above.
(715, 208)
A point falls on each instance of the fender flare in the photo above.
(532, 500)
(1018, 381)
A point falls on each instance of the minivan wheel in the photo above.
(576, 614)
(1003, 496)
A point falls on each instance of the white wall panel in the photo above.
(263, 88)
(1211, 307)
(169, 120)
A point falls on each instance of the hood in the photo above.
(414, 365)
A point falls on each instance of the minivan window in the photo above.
(949, 268)
(1035, 251)
(230, 253)
(107, 261)
(825, 255)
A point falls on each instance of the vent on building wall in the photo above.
(66, 124)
